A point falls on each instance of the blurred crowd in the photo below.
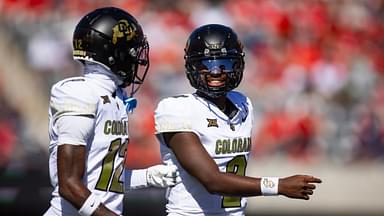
(314, 69)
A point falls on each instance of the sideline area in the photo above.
(354, 189)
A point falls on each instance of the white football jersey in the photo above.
(105, 148)
(228, 142)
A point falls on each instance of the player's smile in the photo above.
(214, 71)
(216, 80)
(215, 83)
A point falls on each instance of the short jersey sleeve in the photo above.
(72, 97)
(173, 115)
(74, 130)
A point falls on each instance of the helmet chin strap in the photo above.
(212, 95)
(208, 92)
(130, 102)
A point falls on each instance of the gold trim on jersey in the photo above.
(59, 108)
(173, 126)
(116, 127)
(229, 146)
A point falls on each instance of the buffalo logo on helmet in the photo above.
(123, 29)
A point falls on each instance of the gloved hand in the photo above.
(162, 176)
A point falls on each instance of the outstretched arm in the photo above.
(197, 162)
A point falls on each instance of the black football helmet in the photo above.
(214, 50)
(112, 37)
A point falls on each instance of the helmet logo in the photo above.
(123, 29)
(217, 45)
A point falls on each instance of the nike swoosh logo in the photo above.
(93, 204)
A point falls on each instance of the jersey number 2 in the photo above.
(108, 171)
(237, 166)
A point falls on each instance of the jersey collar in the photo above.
(108, 80)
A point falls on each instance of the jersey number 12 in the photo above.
(108, 170)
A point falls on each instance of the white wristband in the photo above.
(90, 205)
(269, 186)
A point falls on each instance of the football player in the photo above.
(207, 134)
(88, 123)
